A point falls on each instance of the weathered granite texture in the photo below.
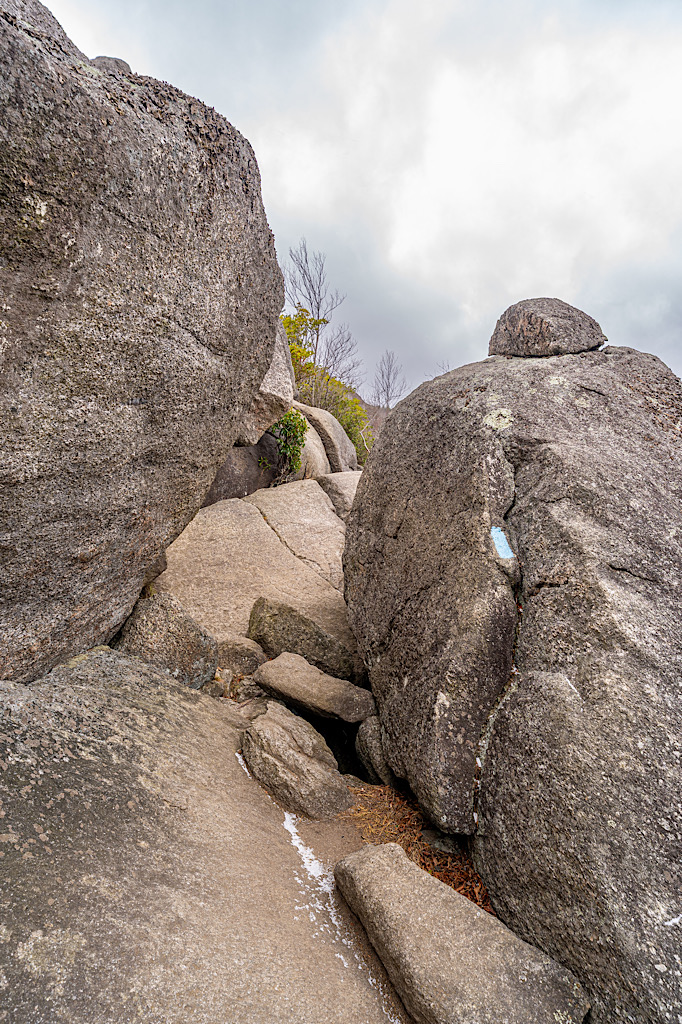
(161, 632)
(140, 299)
(544, 327)
(337, 444)
(274, 396)
(450, 961)
(246, 469)
(341, 488)
(513, 573)
(146, 879)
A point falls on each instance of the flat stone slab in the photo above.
(228, 557)
(544, 327)
(450, 962)
(291, 678)
(292, 760)
(147, 878)
(341, 488)
(304, 519)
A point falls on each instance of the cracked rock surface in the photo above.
(141, 294)
(513, 573)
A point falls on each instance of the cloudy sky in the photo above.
(450, 157)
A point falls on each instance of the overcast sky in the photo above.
(451, 157)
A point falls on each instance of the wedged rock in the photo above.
(228, 557)
(544, 327)
(145, 877)
(341, 488)
(293, 680)
(141, 295)
(161, 632)
(240, 656)
(337, 444)
(304, 519)
(274, 397)
(114, 65)
(290, 758)
(245, 470)
(450, 961)
(554, 485)
(278, 627)
(370, 751)
(314, 461)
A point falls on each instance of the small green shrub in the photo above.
(289, 431)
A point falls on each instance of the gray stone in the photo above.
(112, 64)
(557, 669)
(243, 688)
(141, 295)
(293, 762)
(161, 632)
(337, 444)
(147, 878)
(240, 656)
(274, 396)
(246, 470)
(370, 751)
(228, 557)
(451, 962)
(544, 327)
(314, 461)
(304, 519)
(293, 680)
(341, 488)
(278, 627)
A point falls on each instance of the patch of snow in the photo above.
(501, 543)
(673, 921)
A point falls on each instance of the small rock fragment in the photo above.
(290, 758)
(341, 488)
(303, 686)
(370, 751)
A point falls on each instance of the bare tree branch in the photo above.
(389, 382)
(306, 284)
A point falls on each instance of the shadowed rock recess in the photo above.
(141, 296)
(513, 575)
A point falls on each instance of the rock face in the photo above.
(337, 444)
(278, 627)
(450, 962)
(140, 301)
(341, 488)
(514, 566)
(228, 557)
(544, 327)
(294, 763)
(245, 470)
(303, 686)
(304, 519)
(147, 877)
(274, 396)
(314, 461)
(161, 632)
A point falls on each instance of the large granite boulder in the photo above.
(147, 878)
(304, 519)
(314, 461)
(544, 327)
(274, 397)
(337, 444)
(229, 557)
(140, 298)
(450, 961)
(513, 572)
(341, 488)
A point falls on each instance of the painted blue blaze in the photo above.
(501, 543)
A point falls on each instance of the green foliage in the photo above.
(317, 387)
(290, 433)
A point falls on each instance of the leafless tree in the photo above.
(389, 381)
